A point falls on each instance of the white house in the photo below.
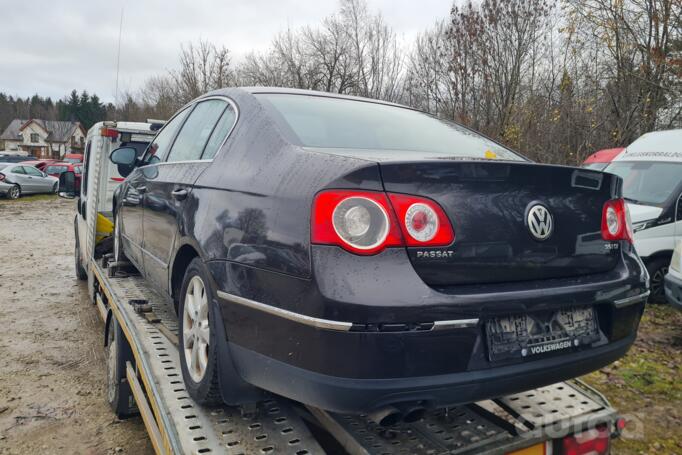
(43, 138)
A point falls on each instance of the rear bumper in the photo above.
(346, 395)
(4, 188)
(673, 290)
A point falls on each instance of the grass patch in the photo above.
(29, 198)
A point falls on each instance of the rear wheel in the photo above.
(198, 336)
(119, 395)
(55, 187)
(14, 192)
(657, 268)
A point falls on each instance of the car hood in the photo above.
(640, 212)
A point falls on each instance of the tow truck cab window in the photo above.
(192, 138)
(86, 166)
(158, 149)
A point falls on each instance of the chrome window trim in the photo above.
(326, 323)
(631, 300)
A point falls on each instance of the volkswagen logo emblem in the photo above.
(540, 223)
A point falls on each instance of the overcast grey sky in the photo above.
(52, 47)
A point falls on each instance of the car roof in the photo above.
(604, 155)
(655, 146)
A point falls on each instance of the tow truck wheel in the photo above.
(119, 395)
(197, 336)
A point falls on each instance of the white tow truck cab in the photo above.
(144, 377)
(651, 168)
(100, 179)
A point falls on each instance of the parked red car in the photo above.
(73, 158)
(39, 164)
(57, 168)
(599, 160)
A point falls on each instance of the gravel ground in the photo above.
(52, 366)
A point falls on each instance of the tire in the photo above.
(198, 349)
(118, 352)
(81, 273)
(119, 255)
(14, 192)
(55, 188)
(657, 270)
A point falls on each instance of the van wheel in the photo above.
(198, 337)
(118, 351)
(80, 270)
(657, 268)
(14, 192)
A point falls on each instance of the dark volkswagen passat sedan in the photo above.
(357, 255)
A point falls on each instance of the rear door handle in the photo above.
(179, 194)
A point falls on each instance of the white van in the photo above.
(651, 168)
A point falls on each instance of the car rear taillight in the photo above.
(615, 223)
(590, 442)
(2, 176)
(423, 221)
(359, 221)
(365, 222)
(108, 132)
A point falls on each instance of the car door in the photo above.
(133, 192)
(169, 188)
(18, 176)
(39, 181)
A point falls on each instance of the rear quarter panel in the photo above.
(252, 205)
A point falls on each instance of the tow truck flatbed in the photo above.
(537, 419)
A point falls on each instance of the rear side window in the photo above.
(18, 170)
(220, 132)
(370, 128)
(159, 147)
(190, 143)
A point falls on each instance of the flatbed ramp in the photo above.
(177, 425)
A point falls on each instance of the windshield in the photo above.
(367, 127)
(55, 169)
(645, 182)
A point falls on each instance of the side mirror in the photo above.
(125, 158)
(67, 185)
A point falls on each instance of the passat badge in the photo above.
(540, 223)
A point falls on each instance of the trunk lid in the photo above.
(488, 204)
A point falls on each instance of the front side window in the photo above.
(647, 182)
(160, 146)
(374, 129)
(190, 143)
(33, 171)
(220, 132)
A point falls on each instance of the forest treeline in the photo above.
(553, 79)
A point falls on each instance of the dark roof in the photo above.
(58, 131)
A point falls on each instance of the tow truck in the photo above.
(144, 375)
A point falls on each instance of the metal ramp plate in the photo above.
(457, 430)
(547, 405)
(190, 428)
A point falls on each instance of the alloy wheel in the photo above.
(195, 329)
(14, 192)
(657, 281)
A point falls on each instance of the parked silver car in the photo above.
(17, 179)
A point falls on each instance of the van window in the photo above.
(194, 134)
(221, 130)
(86, 166)
(647, 182)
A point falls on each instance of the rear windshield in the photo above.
(55, 169)
(72, 160)
(367, 127)
(645, 182)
